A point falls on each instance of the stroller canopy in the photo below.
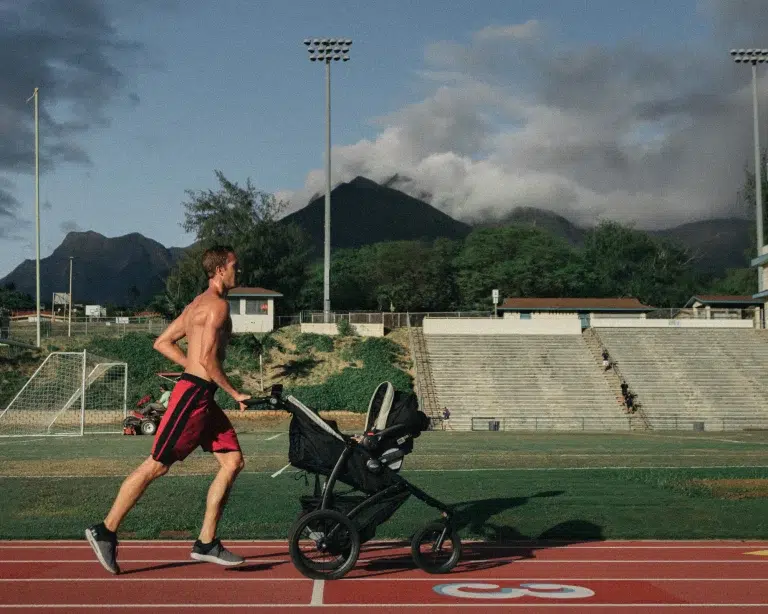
(389, 408)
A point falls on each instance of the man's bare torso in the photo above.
(194, 318)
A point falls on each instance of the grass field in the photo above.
(505, 486)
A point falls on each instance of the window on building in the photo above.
(234, 306)
(256, 307)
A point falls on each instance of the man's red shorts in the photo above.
(193, 419)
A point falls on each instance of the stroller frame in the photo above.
(436, 533)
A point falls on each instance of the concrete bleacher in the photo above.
(525, 381)
(686, 375)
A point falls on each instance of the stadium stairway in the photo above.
(637, 420)
(425, 385)
(523, 381)
(685, 376)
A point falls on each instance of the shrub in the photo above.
(345, 328)
(352, 388)
(305, 342)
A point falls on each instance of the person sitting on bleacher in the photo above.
(606, 360)
(629, 402)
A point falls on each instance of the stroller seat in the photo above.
(392, 423)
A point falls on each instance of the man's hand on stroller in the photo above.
(240, 397)
(370, 441)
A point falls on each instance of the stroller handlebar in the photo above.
(273, 401)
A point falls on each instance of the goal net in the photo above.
(71, 393)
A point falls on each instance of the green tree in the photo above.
(273, 255)
(627, 262)
(185, 281)
(519, 261)
(747, 198)
(12, 299)
(739, 282)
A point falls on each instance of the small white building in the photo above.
(252, 309)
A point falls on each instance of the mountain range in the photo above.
(131, 269)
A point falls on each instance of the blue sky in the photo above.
(484, 105)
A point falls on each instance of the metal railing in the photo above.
(390, 319)
(551, 423)
(701, 314)
(24, 330)
(616, 423)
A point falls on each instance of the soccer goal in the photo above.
(71, 393)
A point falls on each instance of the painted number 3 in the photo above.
(476, 590)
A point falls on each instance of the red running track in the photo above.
(608, 576)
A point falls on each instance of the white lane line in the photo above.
(506, 469)
(455, 575)
(432, 606)
(401, 545)
(273, 437)
(317, 593)
(21, 441)
(516, 560)
(278, 472)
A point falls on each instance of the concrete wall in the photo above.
(645, 323)
(364, 330)
(560, 324)
(252, 324)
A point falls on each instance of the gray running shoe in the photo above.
(215, 553)
(104, 544)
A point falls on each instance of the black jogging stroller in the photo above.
(324, 542)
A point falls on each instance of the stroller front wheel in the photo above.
(425, 551)
(324, 545)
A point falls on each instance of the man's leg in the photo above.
(103, 536)
(230, 464)
(208, 547)
(131, 490)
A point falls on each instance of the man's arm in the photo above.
(166, 342)
(211, 346)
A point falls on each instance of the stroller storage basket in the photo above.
(313, 449)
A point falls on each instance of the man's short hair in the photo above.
(214, 257)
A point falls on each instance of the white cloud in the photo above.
(529, 30)
(639, 135)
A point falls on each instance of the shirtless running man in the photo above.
(193, 418)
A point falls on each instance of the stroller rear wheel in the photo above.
(324, 545)
(425, 551)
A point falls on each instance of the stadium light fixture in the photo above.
(327, 50)
(755, 57)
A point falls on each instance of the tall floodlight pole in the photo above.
(327, 50)
(37, 212)
(755, 57)
(69, 326)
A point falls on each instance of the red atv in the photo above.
(145, 419)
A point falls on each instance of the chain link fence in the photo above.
(25, 330)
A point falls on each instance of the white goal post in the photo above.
(70, 393)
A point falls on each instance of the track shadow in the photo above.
(486, 554)
(159, 567)
(500, 544)
(240, 568)
(252, 567)
(475, 516)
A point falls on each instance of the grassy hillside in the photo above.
(327, 373)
